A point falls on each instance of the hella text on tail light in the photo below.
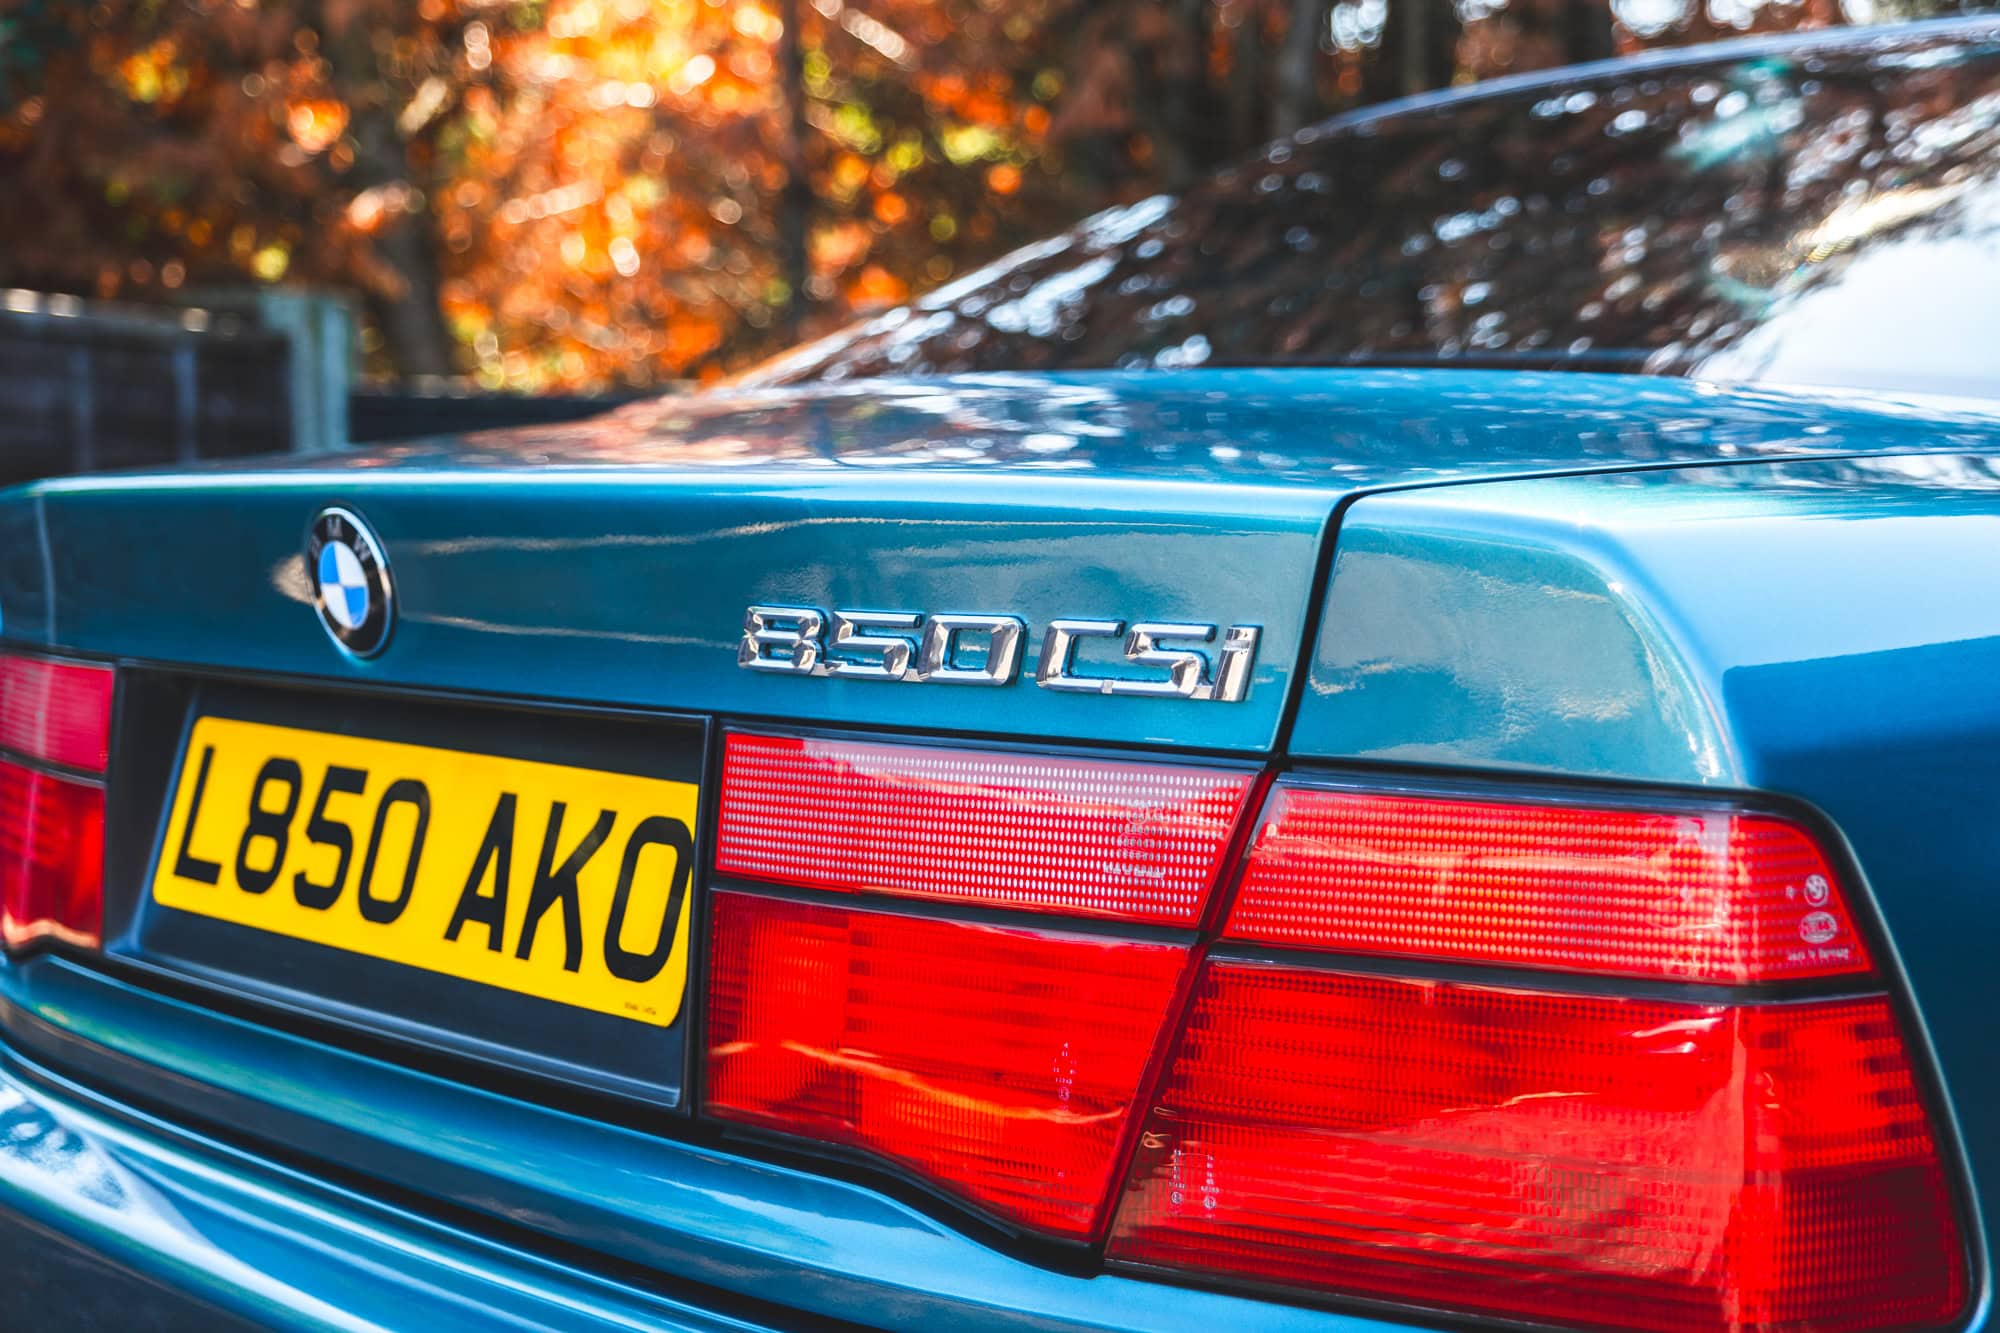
(1528, 1147)
(55, 724)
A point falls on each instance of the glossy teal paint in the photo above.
(189, 1234)
(611, 561)
(1587, 625)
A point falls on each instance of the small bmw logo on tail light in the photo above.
(350, 581)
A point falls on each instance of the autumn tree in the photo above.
(155, 146)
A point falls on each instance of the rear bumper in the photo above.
(112, 1222)
(491, 1213)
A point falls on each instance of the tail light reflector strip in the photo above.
(58, 712)
(999, 1063)
(1134, 842)
(1713, 896)
(1611, 1162)
(52, 825)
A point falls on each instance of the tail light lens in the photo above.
(59, 712)
(1000, 1063)
(52, 823)
(1081, 837)
(1612, 1162)
(1694, 895)
(1525, 1149)
(51, 857)
(1461, 1125)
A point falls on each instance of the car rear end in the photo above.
(815, 862)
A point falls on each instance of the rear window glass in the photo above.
(1821, 213)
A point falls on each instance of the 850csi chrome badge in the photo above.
(924, 649)
(350, 581)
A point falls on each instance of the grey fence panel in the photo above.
(86, 386)
(89, 390)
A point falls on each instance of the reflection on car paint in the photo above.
(32, 1141)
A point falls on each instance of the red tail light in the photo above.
(1695, 895)
(1082, 837)
(1531, 1147)
(56, 711)
(51, 824)
(51, 857)
(1000, 1063)
(1613, 1162)
(1543, 1154)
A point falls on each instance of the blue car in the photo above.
(1408, 738)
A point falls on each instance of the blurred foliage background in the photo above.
(599, 194)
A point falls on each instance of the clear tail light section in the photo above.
(55, 726)
(1111, 839)
(1604, 1065)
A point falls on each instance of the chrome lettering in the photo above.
(780, 638)
(937, 659)
(857, 656)
(1175, 657)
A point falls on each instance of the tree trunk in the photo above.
(1419, 51)
(1298, 83)
(1588, 30)
(1247, 123)
(795, 200)
(412, 319)
(1186, 95)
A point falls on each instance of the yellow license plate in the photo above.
(569, 884)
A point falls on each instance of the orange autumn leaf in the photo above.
(876, 288)
(690, 338)
(316, 124)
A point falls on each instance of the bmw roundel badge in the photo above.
(350, 581)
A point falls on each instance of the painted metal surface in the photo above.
(611, 562)
(1601, 625)
(114, 1224)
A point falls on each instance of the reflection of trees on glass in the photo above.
(1759, 218)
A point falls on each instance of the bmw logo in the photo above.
(350, 581)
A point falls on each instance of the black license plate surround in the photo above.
(403, 1007)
